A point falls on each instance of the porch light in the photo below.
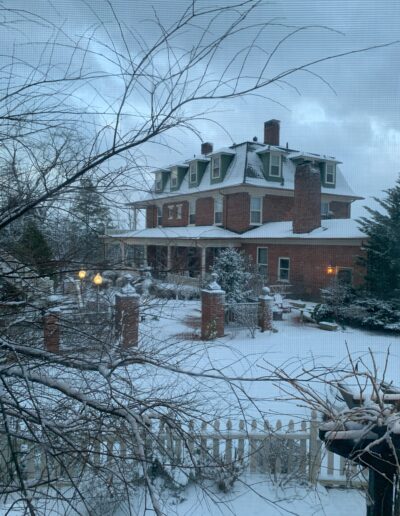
(98, 280)
(330, 270)
(82, 274)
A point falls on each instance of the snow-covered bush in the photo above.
(173, 291)
(234, 274)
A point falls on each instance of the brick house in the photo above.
(289, 210)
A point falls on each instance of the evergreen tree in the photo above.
(233, 270)
(91, 217)
(383, 246)
(32, 248)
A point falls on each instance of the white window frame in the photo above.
(262, 264)
(218, 202)
(286, 280)
(178, 211)
(159, 216)
(158, 181)
(216, 159)
(193, 172)
(325, 213)
(279, 165)
(333, 173)
(171, 209)
(259, 211)
(174, 178)
(192, 212)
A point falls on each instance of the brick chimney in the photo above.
(307, 198)
(271, 132)
(206, 148)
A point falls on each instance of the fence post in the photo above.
(216, 441)
(212, 310)
(265, 310)
(315, 449)
(253, 447)
(241, 441)
(228, 443)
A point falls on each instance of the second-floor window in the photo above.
(159, 216)
(218, 207)
(174, 178)
(170, 212)
(275, 165)
(216, 167)
(192, 211)
(193, 172)
(330, 173)
(255, 210)
(179, 211)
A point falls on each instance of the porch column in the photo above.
(169, 258)
(122, 246)
(203, 263)
(145, 262)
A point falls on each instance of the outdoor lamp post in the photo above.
(98, 280)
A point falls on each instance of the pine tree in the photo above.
(383, 246)
(91, 217)
(232, 268)
(32, 248)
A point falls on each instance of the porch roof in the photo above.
(179, 233)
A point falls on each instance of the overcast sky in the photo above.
(358, 122)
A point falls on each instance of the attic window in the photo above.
(158, 182)
(193, 172)
(216, 167)
(330, 173)
(275, 165)
(174, 178)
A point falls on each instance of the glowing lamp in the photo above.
(330, 270)
(98, 280)
(82, 275)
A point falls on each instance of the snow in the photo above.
(186, 232)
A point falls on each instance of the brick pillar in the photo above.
(51, 332)
(127, 317)
(265, 302)
(212, 310)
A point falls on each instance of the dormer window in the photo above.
(159, 185)
(330, 174)
(174, 178)
(193, 172)
(216, 167)
(275, 165)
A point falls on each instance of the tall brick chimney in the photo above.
(206, 148)
(271, 132)
(307, 198)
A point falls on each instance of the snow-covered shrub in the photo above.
(234, 274)
(172, 291)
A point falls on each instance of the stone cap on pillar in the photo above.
(266, 294)
(128, 291)
(213, 286)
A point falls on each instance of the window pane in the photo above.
(284, 263)
(255, 217)
(193, 173)
(275, 160)
(255, 203)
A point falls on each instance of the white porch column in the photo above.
(203, 262)
(169, 258)
(145, 262)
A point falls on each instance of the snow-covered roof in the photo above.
(246, 168)
(185, 232)
(330, 228)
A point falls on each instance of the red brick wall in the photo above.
(151, 216)
(308, 265)
(236, 215)
(340, 210)
(307, 199)
(175, 222)
(205, 211)
(276, 209)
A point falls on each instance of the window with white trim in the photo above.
(218, 207)
(158, 181)
(179, 211)
(216, 167)
(193, 172)
(262, 261)
(174, 178)
(255, 210)
(159, 216)
(325, 208)
(192, 211)
(330, 173)
(170, 212)
(283, 269)
(275, 165)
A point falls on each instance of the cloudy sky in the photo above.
(352, 114)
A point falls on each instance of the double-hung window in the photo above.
(218, 207)
(275, 165)
(330, 173)
(179, 211)
(324, 208)
(262, 261)
(216, 167)
(174, 178)
(171, 212)
(255, 210)
(192, 211)
(284, 269)
(158, 182)
(159, 216)
(193, 172)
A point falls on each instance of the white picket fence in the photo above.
(282, 452)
